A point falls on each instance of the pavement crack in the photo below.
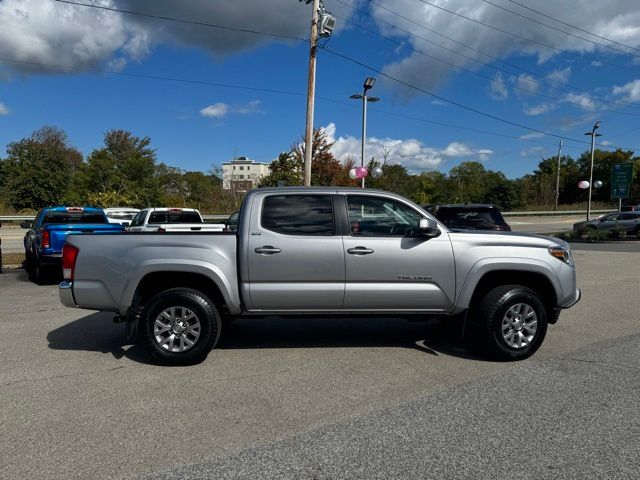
(53, 377)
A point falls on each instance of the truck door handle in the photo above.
(267, 250)
(359, 251)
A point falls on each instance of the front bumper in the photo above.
(65, 291)
(556, 311)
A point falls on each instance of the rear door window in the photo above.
(63, 218)
(298, 214)
(174, 217)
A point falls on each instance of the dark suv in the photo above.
(469, 216)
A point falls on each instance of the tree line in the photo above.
(44, 169)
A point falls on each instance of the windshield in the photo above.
(56, 218)
(174, 217)
(480, 218)
(122, 215)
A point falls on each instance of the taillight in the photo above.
(69, 256)
(46, 239)
(160, 229)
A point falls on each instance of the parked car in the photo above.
(629, 222)
(631, 207)
(231, 225)
(46, 235)
(470, 216)
(172, 220)
(121, 215)
(303, 250)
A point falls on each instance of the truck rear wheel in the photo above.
(180, 326)
(512, 321)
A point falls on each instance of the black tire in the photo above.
(41, 274)
(491, 313)
(637, 232)
(183, 298)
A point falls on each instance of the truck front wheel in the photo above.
(512, 321)
(180, 326)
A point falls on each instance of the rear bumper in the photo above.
(65, 291)
(51, 259)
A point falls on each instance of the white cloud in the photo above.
(221, 109)
(629, 92)
(4, 110)
(584, 100)
(528, 83)
(248, 108)
(605, 143)
(531, 136)
(618, 20)
(413, 154)
(561, 76)
(537, 109)
(531, 151)
(44, 31)
(217, 110)
(497, 88)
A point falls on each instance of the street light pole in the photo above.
(558, 178)
(368, 84)
(593, 141)
(311, 90)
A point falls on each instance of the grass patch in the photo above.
(12, 259)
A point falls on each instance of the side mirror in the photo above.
(26, 224)
(428, 228)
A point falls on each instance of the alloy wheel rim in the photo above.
(519, 325)
(176, 329)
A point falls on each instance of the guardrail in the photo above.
(556, 212)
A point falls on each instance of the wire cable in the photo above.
(558, 84)
(180, 20)
(516, 35)
(459, 67)
(573, 26)
(456, 103)
(603, 45)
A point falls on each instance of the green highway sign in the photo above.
(621, 176)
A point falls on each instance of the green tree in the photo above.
(37, 169)
(125, 165)
(286, 169)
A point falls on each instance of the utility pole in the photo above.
(593, 141)
(558, 177)
(311, 91)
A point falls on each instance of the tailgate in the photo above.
(59, 232)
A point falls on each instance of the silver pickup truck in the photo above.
(300, 251)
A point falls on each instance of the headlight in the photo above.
(562, 253)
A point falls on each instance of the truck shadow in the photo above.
(97, 333)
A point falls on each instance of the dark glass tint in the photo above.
(63, 218)
(472, 217)
(298, 214)
(174, 217)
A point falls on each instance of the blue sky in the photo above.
(194, 126)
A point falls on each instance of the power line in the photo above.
(180, 20)
(456, 103)
(559, 85)
(459, 67)
(267, 90)
(558, 29)
(573, 26)
(507, 32)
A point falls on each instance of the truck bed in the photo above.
(110, 266)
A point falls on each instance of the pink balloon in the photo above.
(362, 172)
(583, 184)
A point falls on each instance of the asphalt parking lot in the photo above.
(324, 398)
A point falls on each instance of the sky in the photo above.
(495, 81)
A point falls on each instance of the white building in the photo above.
(243, 174)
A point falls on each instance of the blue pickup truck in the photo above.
(46, 236)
